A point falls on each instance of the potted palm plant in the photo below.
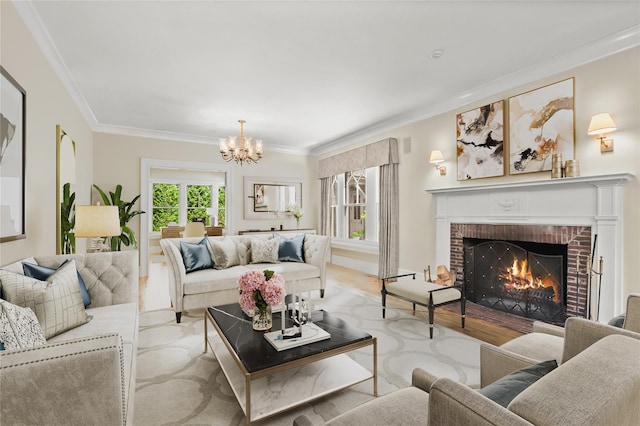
(126, 212)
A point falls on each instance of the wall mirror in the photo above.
(264, 196)
(66, 192)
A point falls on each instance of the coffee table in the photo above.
(267, 382)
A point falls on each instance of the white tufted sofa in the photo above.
(85, 375)
(215, 287)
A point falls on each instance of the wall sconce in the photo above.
(437, 158)
(600, 125)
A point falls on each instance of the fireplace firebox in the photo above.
(528, 279)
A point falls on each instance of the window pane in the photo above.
(356, 187)
(165, 205)
(198, 201)
(222, 195)
(356, 221)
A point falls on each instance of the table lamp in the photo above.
(97, 222)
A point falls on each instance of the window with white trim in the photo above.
(181, 202)
(354, 205)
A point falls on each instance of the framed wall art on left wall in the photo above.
(13, 108)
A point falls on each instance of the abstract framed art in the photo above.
(480, 142)
(12, 158)
(541, 123)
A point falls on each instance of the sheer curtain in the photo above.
(325, 202)
(388, 244)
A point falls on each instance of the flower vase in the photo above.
(262, 319)
(297, 223)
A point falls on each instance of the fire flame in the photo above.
(519, 277)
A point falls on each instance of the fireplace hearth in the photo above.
(522, 278)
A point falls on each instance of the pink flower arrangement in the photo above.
(259, 289)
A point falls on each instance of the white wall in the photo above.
(48, 104)
(117, 161)
(611, 84)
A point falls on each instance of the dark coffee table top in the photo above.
(257, 354)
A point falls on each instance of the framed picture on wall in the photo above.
(12, 158)
(541, 123)
(480, 142)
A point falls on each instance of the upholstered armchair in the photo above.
(548, 342)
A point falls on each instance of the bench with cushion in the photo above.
(422, 293)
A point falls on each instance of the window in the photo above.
(181, 203)
(354, 205)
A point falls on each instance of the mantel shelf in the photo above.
(610, 179)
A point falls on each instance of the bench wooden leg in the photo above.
(463, 303)
(178, 317)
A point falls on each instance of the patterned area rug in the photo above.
(179, 384)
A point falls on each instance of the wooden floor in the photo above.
(154, 294)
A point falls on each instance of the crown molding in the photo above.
(43, 39)
(587, 53)
(602, 48)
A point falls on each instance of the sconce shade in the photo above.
(436, 157)
(97, 221)
(601, 124)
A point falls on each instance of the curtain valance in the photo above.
(372, 155)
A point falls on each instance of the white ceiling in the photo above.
(308, 76)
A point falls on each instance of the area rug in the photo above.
(179, 384)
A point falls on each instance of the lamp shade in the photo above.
(601, 124)
(436, 157)
(97, 221)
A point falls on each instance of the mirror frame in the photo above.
(249, 197)
(61, 162)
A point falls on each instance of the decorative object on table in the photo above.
(13, 111)
(127, 235)
(296, 211)
(572, 168)
(557, 166)
(541, 123)
(97, 223)
(259, 291)
(600, 125)
(241, 149)
(480, 142)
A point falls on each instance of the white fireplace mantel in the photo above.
(594, 201)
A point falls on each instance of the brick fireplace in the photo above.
(568, 211)
(576, 239)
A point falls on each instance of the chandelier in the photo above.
(241, 149)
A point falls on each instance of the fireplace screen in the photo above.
(526, 279)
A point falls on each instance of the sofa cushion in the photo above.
(209, 280)
(537, 346)
(196, 256)
(224, 253)
(19, 327)
(290, 249)
(290, 271)
(56, 302)
(265, 251)
(504, 390)
(41, 273)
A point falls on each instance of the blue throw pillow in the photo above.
(196, 256)
(617, 321)
(1, 346)
(290, 249)
(41, 273)
(504, 390)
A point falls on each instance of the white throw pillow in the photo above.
(265, 251)
(19, 327)
(224, 253)
(56, 302)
